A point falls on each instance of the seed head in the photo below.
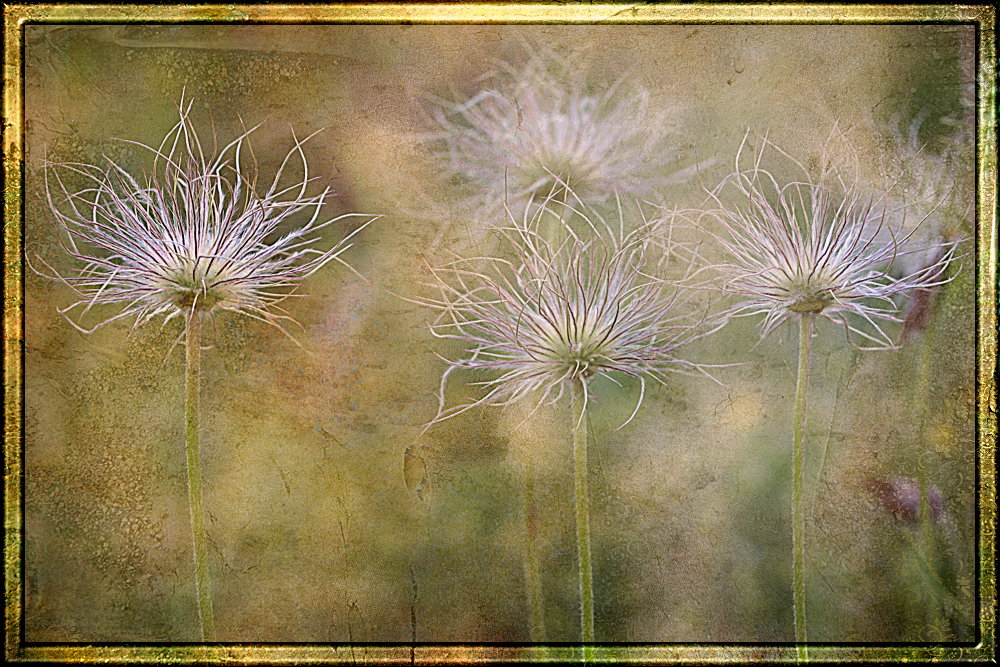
(193, 233)
(816, 248)
(540, 126)
(933, 183)
(568, 306)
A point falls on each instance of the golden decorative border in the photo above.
(17, 15)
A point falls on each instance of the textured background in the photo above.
(329, 520)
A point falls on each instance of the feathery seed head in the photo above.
(807, 247)
(568, 307)
(194, 233)
(541, 127)
(933, 183)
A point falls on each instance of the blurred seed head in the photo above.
(933, 182)
(819, 247)
(539, 127)
(195, 232)
(572, 303)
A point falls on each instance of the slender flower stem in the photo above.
(798, 515)
(536, 605)
(583, 519)
(192, 389)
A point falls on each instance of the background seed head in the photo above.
(538, 127)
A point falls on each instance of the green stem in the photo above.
(192, 391)
(536, 606)
(583, 519)
(798, 515)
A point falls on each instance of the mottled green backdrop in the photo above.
(330, 518)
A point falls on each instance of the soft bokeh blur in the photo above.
(333, 516)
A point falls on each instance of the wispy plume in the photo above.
(539, 126)
(932, 182)
(195, 232)
(568, 307)
(818, 246)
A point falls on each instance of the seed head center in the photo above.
(810, 293)
(583, 356)
(812, 303)
(196, 283)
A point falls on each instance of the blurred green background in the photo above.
(331, 518)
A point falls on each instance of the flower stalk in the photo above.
(798, 511)
(192, 408)
(582, 497)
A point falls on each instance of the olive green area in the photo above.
(332, 517)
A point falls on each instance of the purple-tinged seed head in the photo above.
(802, 247)
(538, 127)
(193, 233)
(568, 306)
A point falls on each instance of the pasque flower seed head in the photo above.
(541, 126)
(805, 247)
(569, 307)
(194, 232)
